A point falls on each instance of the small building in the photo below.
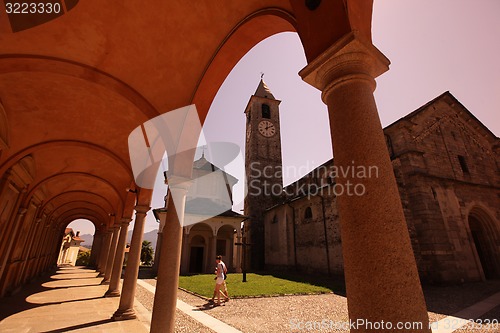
(70, 247)
(211, 228)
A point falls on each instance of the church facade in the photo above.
(211, 228)
(446, 164)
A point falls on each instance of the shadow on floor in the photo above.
(18, 302)
(446, 300)
(76, 327)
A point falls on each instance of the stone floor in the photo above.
(71, 300)
(298, 313)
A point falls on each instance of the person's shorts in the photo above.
(220, 280)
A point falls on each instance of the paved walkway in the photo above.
(69, 300)
(195, 313)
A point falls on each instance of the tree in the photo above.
(146, 253)
(83, 258)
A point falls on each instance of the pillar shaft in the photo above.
(4, 262)
(126, 307)
(96, 249)
(381, 276)
(114, 283)
(156, 261)
(39, 253)
(212, 254)
(164, 306)
(30, 243)
(103, 257)
(100, 246)
(111, 254)
(185, 253)
(238, 253)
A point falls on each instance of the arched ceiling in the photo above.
(75, 87)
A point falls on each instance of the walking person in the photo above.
(220, 272)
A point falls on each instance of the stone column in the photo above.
(99, 237)
(163, 318)
(185, 253)
(212, 253)
(126, 308)
(94, 254)
(156, 260)
(111, 254)
(238, 252)
(114, 283)
(381, 276)
(162, 214)
(10, 242)
(21, 276)
(39, 254)
(106, 245)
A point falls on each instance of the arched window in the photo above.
(266, 111)
(308, 213)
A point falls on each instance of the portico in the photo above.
(73, 87)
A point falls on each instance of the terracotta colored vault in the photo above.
(73, 87)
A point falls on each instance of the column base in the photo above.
(100, 275)
(112, 293)
(124, 315)
(105, 281)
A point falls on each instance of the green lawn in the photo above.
(258, 285)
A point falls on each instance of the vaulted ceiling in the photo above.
(74, 87)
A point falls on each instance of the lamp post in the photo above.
(244, 245)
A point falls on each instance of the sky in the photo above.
(433, 45)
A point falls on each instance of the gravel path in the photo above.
(183, 322)
(289, 313)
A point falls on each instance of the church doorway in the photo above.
(197, 254)
(196, 259)
(484, 242)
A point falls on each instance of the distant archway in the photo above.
(485, 237)
(225, 245)
(197, 254)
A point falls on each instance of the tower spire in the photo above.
(263, 90)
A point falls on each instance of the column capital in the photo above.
(22, 210)
(125, 221)
(142, 209)
(178, 182)
(351, 57)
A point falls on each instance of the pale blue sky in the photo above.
(433, 45)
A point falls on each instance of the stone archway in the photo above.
(198, 249)
(484, 235)
(225, 245)
(197, 254)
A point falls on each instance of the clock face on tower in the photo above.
(266, 128)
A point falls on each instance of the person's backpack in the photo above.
(224, 271)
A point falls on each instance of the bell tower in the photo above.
(263, 166)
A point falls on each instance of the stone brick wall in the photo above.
(446, 165)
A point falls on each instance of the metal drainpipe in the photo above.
(326, 236)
